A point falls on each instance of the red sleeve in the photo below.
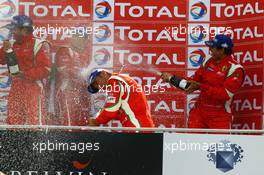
(230, 86)
(2, 57)
(41, 69)
(113, 103)
(197, 75)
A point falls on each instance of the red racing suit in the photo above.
(26, 96)
(72, 101)
(125, 102)
(218, 83)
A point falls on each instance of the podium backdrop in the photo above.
(135, 36)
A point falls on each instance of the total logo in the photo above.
(224, 10)
(3, 106)
(103, 10)
(5, 82)
(8, 9)
(151, 81)
(246, 105)
(248, 126)
(104, 32)
(198, 34)
(253, 80)
(164, 106)
(135, 58)
(4, 32)
(102, 57)
(196, 57)
(225, 155)
(246, 33)
(199, 11)
(40, 10)
(137, 34)
(4, 95)
(248, 57)
(140, 11)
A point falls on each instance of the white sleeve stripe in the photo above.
(228, 102)
(232, 69)
(130, 114)
(125, 106)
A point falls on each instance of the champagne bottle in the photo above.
(11, 62)
(179, 82)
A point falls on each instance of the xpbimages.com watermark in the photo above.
(60, 146)
(197, 29)
(173, 147)
(146, 89)
(81, 31)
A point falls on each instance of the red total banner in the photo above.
(249, 54)
(253, 79)
(251, 121)
(244, 103)
(43, 10)
(166, 10)
(236, 10)
(149, 33)
(241, 31)
(146, 57)
(152, 80)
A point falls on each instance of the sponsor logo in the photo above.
(2, 38)
(126, 9)
(248, 56)
(111, 99)
(225, 155)
(104, 32)
(7, 9)
(5, 33)
(136, 58)
(198, 34)
(164, 106)
(103, 9)
(252, 80)
(246, 33)
(147, 34)
(3, 106)
(81, 166)
(224, 10)
(5, 82)
(102, 56)
(41, 10)
(197, 57)
(3, 95)
(246, 104)
(247, 126)
(198, 10)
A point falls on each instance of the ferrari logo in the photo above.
(224, 68)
